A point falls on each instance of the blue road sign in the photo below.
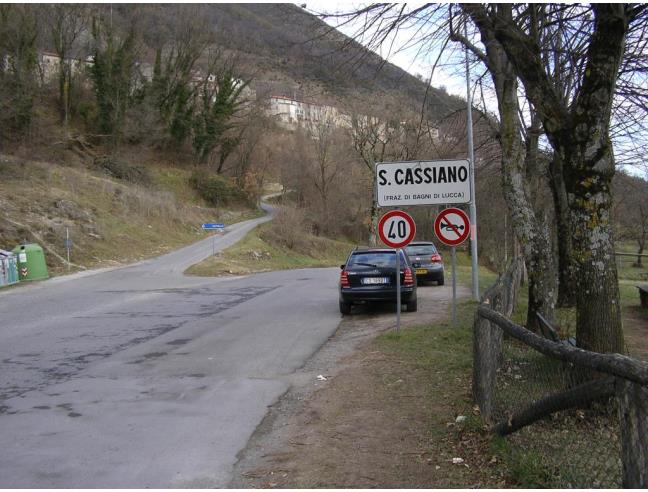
(213, 226)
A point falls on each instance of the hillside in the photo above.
(283, 39)
(288, 51)
(110, 221)
(52, 177)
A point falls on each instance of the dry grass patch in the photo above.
(257, 252)
(110, 221)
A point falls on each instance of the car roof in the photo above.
(373, 250)
(421, 243)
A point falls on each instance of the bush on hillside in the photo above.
(119, 169)
(217, 190)
(290, 229)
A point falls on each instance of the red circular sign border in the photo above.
(405, 216)
(437, 229)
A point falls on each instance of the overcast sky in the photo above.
(451, 76)
(407, 59)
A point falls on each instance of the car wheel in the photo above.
(345, 307)
(441, 281)
(412, 306)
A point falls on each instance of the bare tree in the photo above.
(631, 211)
(578, 130)
(388, 138)
(326, 165)
(67, 23)
(517, 154)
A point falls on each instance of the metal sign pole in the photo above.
(473, 201)
(398, 291)
(454, 286)
(67, 246)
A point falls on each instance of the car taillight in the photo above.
(436, 258)
(409, 279)
(344, 279)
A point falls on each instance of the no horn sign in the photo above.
(452, 226)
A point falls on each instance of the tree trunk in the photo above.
(639, 253)
(373, 224)
(531, 232)
(579, 134)
(566, 295)
(598, 325)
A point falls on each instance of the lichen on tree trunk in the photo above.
(598, 325)
(530, 230)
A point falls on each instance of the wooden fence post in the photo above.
(487, 346)
(633, 419)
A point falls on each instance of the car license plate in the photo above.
(375, 280)
(421, 271)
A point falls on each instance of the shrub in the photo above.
(290, 229)
(116, 168)
(217, 190)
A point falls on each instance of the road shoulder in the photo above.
(363, 413)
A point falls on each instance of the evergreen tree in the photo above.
(112, 74)
(219, 103)
(18, 66)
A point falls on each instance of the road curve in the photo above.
(142, 377)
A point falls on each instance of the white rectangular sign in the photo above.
(423, 182)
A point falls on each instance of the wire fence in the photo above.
(566, 414)
(573, 448)
(633, 264)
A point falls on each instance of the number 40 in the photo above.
(397, 229)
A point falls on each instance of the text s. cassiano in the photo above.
(423, 182)
(425, 175)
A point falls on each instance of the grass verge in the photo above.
(438, 357)
(254, 254)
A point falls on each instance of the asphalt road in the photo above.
(141, 377)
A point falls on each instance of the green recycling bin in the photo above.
(8, 268)
(31, 262)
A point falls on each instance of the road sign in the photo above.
(396, 229)
(452, 226)
(423, 182)
(213, 226)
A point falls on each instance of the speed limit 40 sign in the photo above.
(396, 229)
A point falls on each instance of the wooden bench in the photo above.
(643, 295)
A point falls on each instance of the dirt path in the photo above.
(374, 422)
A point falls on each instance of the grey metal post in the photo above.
(67, 246)
(374, 205)
(471, 157)
(454, 286)
(398, 291)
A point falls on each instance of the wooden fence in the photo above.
(619, 376)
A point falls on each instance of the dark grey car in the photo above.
(369, 275)
(426, 261)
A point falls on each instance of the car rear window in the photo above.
(420, 250)
(377, 259)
